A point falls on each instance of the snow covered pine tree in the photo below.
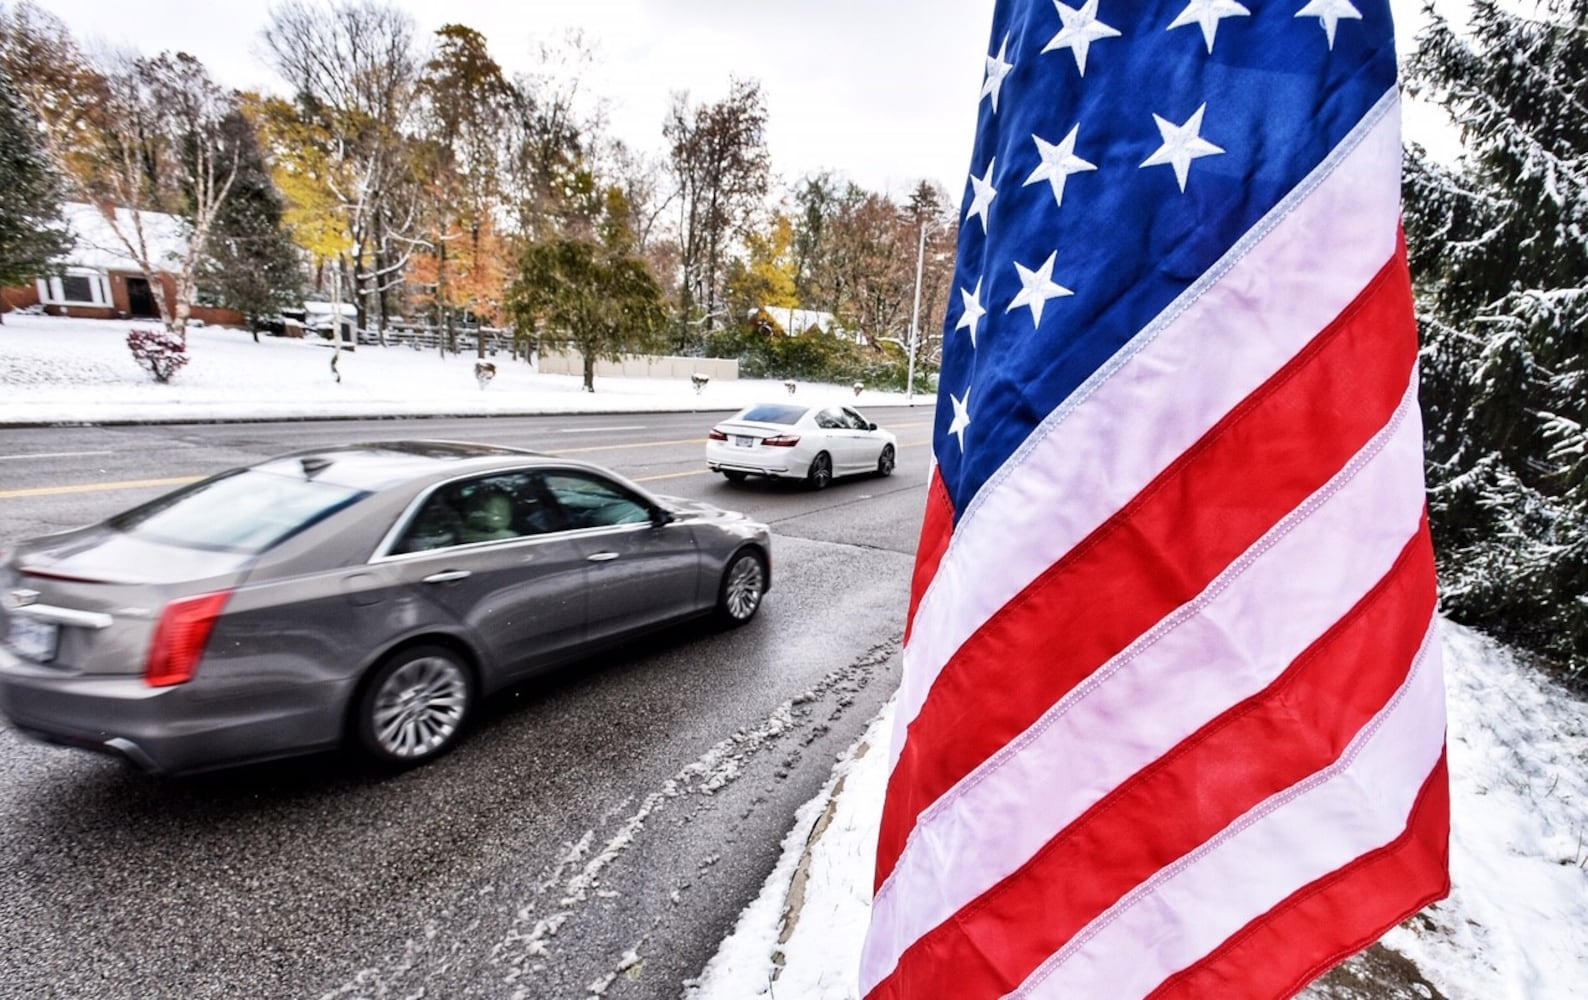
(1499, 251)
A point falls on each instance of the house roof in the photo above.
(797, 321)
(95, 244)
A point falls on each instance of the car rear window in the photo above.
(773, 413)
(247, 511)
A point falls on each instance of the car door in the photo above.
(848, 440)
(867, 441)
(519, 593)
(643, 569)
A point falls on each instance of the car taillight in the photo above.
(717, 435)
(782, 441)
(180, 637)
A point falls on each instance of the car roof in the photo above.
(377, 465)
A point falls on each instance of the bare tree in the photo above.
(355, 68)
(722, 169)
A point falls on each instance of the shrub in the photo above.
(159, 353)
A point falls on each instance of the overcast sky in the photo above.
(883, 92)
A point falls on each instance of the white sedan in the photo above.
(813, 443)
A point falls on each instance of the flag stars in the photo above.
(1181, 145)
(1037, 287)
(1329, 14)
(1058, 163)
(1208, 14)
(1081, 29)
(961, 418)
(998, 67)
(983, 193)
(972, 313)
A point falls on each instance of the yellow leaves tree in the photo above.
(307, 175)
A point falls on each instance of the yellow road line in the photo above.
(127, 484)
(620, 447)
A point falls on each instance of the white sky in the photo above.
(883, 92)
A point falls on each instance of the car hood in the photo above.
(103, 555)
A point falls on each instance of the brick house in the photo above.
(98, 280)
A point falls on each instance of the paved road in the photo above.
(597, 833)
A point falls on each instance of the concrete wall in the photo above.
(639, 366)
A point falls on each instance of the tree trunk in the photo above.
(589, 370)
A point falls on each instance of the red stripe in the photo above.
(1302, 723)
(1262, 460)
(1277, 954)
(937, 527)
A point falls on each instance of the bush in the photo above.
(815, 357)
(159, 353)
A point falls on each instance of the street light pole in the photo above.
(915, 317)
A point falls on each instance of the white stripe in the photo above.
(1227, 645)
(1358, 805)
(1268, 298)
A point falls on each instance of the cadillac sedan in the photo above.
(812, 443)
(367, 595)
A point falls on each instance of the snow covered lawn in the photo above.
(56, 370)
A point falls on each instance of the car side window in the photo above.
(830, 419)
(487, 509)
(855, 420)
(589, 501)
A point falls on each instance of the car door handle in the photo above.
(602, 556)
(447, 576)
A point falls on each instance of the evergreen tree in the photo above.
(31, 231)
(1499, 248)
(251, 264)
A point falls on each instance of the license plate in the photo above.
(743, 441)
(32, 639)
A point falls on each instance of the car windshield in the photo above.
(773, 413)
(247, 511)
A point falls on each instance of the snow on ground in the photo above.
(1515, 925)
(56, 370)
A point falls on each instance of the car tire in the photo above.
(820, 475)
(886, 461)
(734, 476)
(414, 706)
(742, 588)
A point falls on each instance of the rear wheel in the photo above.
(734, 476)
(743, 586)
(415, 705)
(820, 475)
(885, 461)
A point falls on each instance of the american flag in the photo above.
(1172, 714)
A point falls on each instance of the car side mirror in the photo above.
(660, 517)
(871, 426)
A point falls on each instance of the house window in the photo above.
(77, 288)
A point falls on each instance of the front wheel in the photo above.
(415, 705)
(743, 586)
(820, 475)
(734, 476)
(885, 461)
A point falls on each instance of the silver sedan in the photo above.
(366, 595)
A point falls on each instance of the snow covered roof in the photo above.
(95, 244)
(796, 321)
